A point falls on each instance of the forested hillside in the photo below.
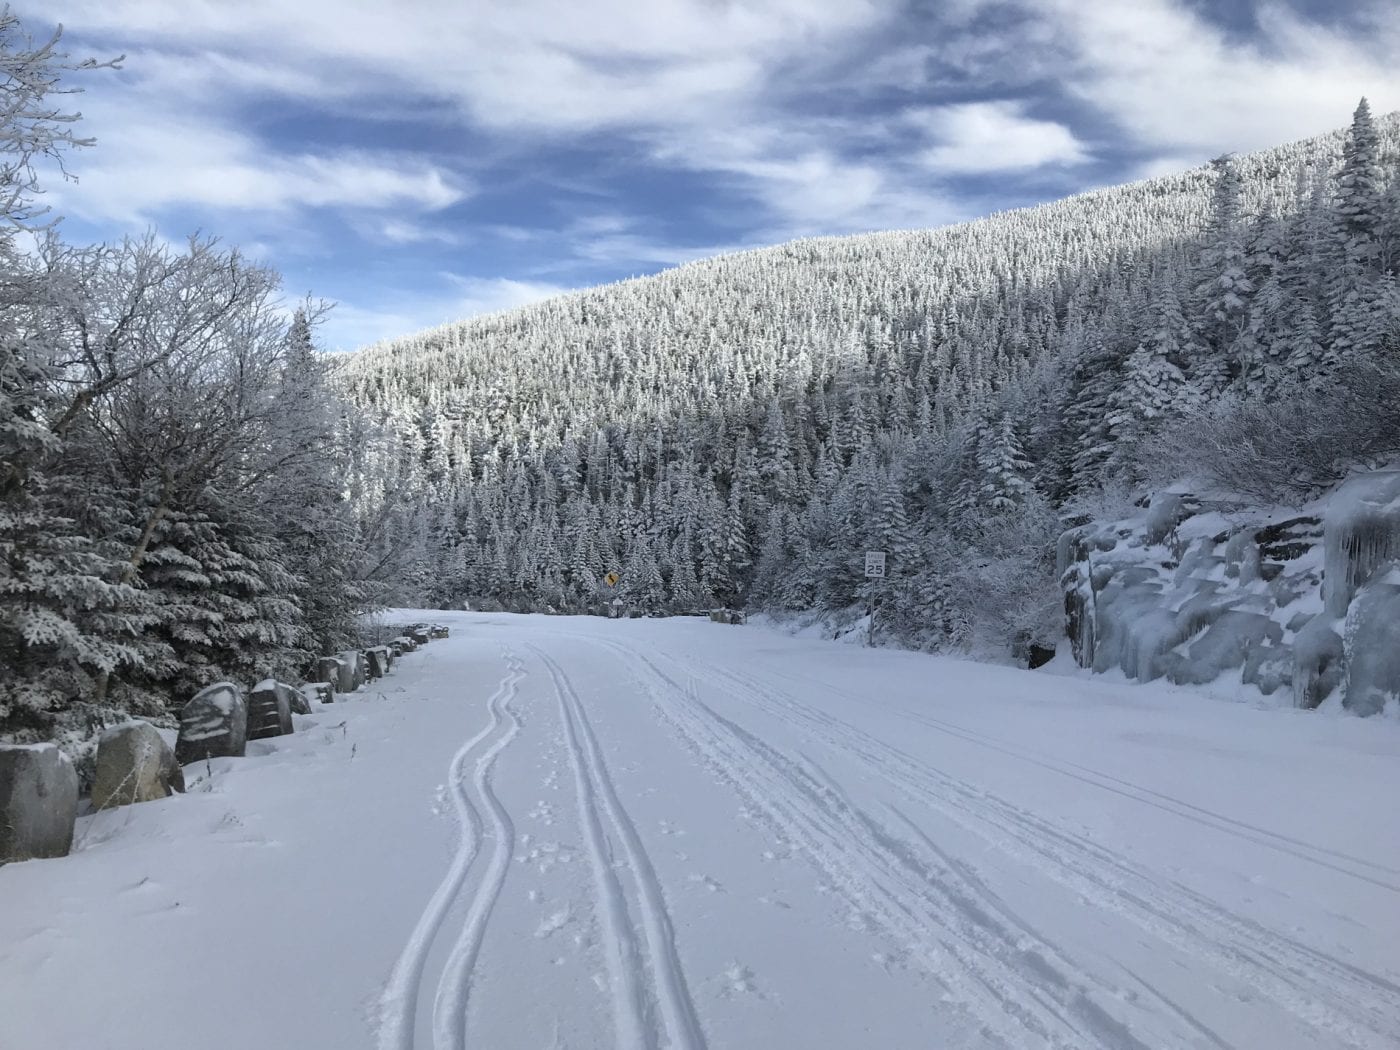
(190, 492)
(740, 430)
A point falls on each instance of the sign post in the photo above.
(874, 570)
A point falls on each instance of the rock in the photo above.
(1038, 655)
(379, 660)
(1268, 667)
(213, 724)
(1286, 541)
(269, 710)
(1132, 626)
(1318, 659)
(1226, 644)
(38, 802)
(352, 670)
(328, 671)
(297, 700)
(134, 764)
(1373, 647)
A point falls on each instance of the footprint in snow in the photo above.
(738, 979)
(542, 812)
(710, 884)
(545, 855)
(553, 924)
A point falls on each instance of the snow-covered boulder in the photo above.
(1318, 661)
(379, 660)
(134, 764)
(1372, 639)
(213, 724)
(1230, 642)
(352, 670)
(269, 710)
(370, 665)
(296, 699)
(38, 802)
(328, 671)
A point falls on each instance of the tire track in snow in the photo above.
(596, 791)
(1339, 1003)
(398, 1004)
(1015, 985)
(455, 982)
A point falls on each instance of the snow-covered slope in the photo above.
(676, 833)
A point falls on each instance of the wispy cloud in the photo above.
(980, 137)
(1173, 80)
(369, 319)
(591, 141)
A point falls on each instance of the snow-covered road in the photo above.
(562, 832)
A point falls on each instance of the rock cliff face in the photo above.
(1305, 605)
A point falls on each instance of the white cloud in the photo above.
(399, 231)
(769, 99)
(153, 154)
(1174, 81)
(994, 136)
(685, 71)
(550, 64)
(352, 324)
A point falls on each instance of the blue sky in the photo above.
(420, 161)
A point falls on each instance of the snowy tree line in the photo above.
(740, 430)
(174, 508)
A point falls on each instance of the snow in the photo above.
(1373, 646)
(685, 834)
(221, 697)
(32, 747)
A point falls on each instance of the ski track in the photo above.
(454, 986)
(1338, 1003)
(1012, 984)
(399, 1000)
(634, 1027)
(1333, 860)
